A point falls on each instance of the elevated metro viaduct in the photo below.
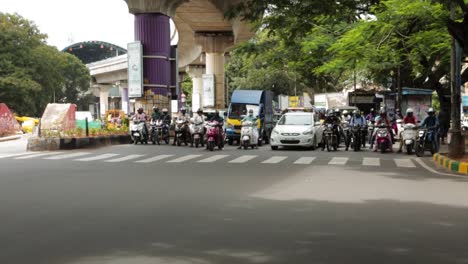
(204, 36)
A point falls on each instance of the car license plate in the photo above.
(289, 139)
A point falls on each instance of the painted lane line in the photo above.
(338, 161)
(371, 162)
(213, 158)
(129, 157)
(274, 160)
(68, 156)
(99, 157)
(38, 155)
(305, 160)
(15, 155)
(404, 163)
(155, 158)
(243, 159)
(184, 158)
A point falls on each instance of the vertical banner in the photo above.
(208, 90)
(135, 69)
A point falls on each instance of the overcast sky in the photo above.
(67, 21)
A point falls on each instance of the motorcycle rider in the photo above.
(408, 119)
(220, 121)
(334, 120)
(182, 115)
(346, 116)
(358, 119)
(250, 117)
(371, 116)
(432, 122)
(141, 116)
(382, 120)
(197, 119)
(156, 114)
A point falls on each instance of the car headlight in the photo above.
(308, 132)
(275, 132)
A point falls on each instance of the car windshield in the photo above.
(296, 120)
(237, 110)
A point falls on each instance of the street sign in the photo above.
(208, 90)
(135, 69)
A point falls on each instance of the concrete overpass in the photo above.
(204, 36)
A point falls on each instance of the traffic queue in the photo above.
(309, 129)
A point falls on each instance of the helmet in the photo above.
(250, 111)
(345, 112)
(330, 112)
(356, 112)
(382, 112)
(165, 110)
(409, 110)
(398, 111)
(156, 109)
(430, 110)
(140, 110)
(199, 110)
(372, 110)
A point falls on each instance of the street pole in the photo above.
(457, 142)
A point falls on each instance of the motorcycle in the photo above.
(197, 134)
(383, 139)
(181, 131)
(214, 137)
(345, 128)
(408, 136)
(249, 135)
(154, 132)
(425, 141)
(329, 137)
(138, 132)
(356, 138)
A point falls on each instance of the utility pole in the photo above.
(457, 142)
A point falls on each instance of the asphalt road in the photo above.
(164, 204)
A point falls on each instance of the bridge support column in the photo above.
(196, 73)
(103, 99)
(214, 44)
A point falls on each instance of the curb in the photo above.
(10, 138)
(450, 164)
(50, 144)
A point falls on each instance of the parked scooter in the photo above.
(197, 134)
(249, 135)
(425, 142)
(138, 132)
(409, 136)
(384, 142)
(215, 135)
(181, 132)
(330, 139)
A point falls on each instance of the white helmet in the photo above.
(430, 110)
(409, 110)
(345, 112)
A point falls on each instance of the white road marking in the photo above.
(425, 166)
(305, 160)
(404, 163)
(184, 158)
(129, 157)
(38, 155)
(155, 158)
(243, 159)
(213, 158)
(275, 159)
(15, 155)
(99, 157)
(67, 156)
(371, 162)
(338, 161)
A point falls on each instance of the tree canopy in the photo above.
(33, 74)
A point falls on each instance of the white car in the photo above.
(295, 129)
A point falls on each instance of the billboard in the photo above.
(135, 69)
(208, 90)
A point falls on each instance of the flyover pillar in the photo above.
(103, 99)
(196, 73)
(214, 44)
(152, 28)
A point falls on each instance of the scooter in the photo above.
(356, 138)
(154, 132)
(425, 142)
(384, 142)
(181, 131)
(214, 137)
(138, 132)
(197, 134)
(329, 138)
(408, 136)
(249, 135)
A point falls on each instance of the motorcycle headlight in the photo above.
(421, 133)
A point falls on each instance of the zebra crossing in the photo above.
(405, 163)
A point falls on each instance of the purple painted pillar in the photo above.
(153, 30)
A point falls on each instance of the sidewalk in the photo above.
(15, 146)
(441, 159)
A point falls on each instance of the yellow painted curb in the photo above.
(463, 167)
(450, 164)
